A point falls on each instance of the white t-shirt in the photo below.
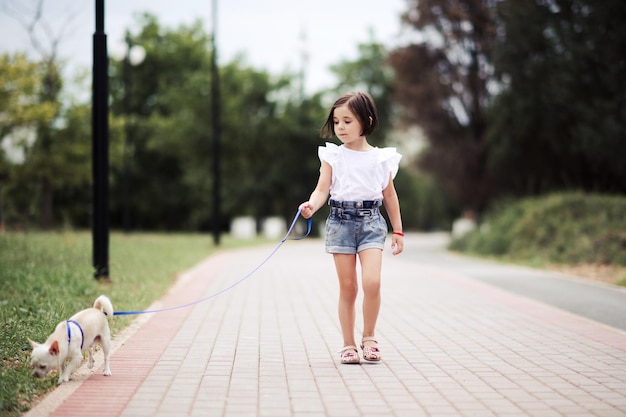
(359, 175)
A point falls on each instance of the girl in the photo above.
(359, 177)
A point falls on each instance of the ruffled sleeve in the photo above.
(390, 159)
(329, 153)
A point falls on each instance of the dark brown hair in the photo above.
(363, 107)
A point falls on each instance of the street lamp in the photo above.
(100, 148)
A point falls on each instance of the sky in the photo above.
(272, 35)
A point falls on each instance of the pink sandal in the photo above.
(370, 353)
(349, 355)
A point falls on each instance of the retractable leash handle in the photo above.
(233, 285)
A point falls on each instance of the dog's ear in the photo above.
(54, 348)
(33, 344)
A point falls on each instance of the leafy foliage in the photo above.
(558, 124)
(23, 114)
(517, 98)
(161, 138)
(567, 228)
(20, 88)
(169, 133)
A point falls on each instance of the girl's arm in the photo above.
(392, 206)
(320, 194)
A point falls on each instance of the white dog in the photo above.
(70, 338)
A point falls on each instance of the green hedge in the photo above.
(566, 228)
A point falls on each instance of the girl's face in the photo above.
(347, 127)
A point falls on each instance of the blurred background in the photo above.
(491, 102)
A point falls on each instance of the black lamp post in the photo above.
(100, 148)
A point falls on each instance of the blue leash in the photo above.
(245, 277)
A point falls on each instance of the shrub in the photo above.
(567, 228)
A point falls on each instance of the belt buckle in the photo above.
(364, 212)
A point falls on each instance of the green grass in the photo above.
(47, 277)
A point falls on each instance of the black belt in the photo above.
(366, 204)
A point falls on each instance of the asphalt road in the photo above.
(603, 303)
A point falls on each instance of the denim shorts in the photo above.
(350, 228)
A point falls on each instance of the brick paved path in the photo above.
(452, 346)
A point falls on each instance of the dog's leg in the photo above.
(62, 369)
(90, 359)
(69, 368)
(105, 341)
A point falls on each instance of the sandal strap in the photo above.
(351, 347)
(369, 339)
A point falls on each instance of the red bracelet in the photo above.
(397, 233)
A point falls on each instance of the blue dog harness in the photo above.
(69, 333)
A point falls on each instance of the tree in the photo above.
(20, 88)
(443, 83)
(45, 41)
(21, 113)
(168, 116)
(263, 134)
(559, 122)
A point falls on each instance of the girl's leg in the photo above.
(371, 265)
(348, 290)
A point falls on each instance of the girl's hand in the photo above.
(306, 210)
(397, 244)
